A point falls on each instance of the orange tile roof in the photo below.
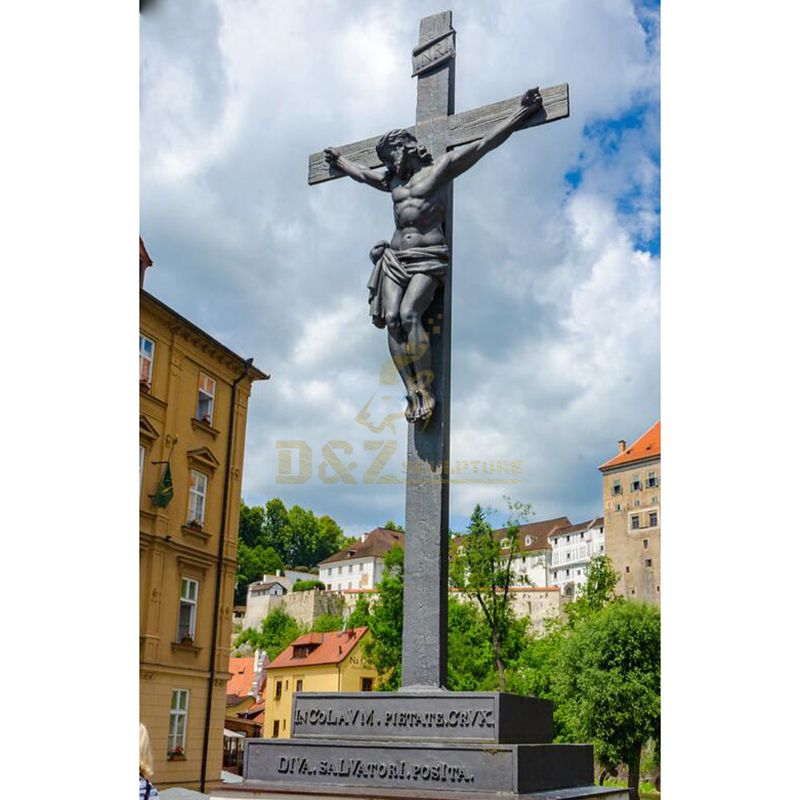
(326, 648)
(241, 682)
(648, 445)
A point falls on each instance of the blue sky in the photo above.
(557, 237)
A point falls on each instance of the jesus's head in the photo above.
(401, 153)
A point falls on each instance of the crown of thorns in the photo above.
(383, 146)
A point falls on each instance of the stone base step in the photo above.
(430, 766)
(260, 790)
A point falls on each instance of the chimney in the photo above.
(621, 445)
(144, 262)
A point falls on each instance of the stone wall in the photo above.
(306, 607)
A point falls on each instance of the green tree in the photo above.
(597, 592)
(534, 670)
(328, 622)
(470, 658)
(391, 525)
(608, 683)
(481, 568)
(304, 586)
(360, 617)
(278, 630)
(328, 540)
(384, 650)
(251, 524)
(275, 523)
(298, 536)
(253, 562)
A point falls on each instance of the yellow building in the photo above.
(194, 393)
(314, 662)
(632, 512)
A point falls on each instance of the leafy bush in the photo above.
(302, 585)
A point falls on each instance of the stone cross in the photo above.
(427, 539)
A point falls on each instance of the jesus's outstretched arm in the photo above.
(459, 161)
(373, 178)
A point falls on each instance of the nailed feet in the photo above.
(420, 405)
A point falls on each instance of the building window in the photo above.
(349, 567)
(633, 591)
(147, 348)
(648, 562)
(635, 522)
(188, 612)
(627, 569)
(179, 710)
(567, 573)
(645, 543)
(652, 481)
(636, 484)
(205, 398)
(617, 489)
(276, 728)
(197, 496)
(284, 724)
(653, 519)
(142, 455)
(601, 548)
(567, 539)
(617, 507)
(637, 503)
(278, 689)
(366, 684)
(298, 687)
(505, 544)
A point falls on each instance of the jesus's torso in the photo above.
(419, 208)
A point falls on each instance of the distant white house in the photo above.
(359, 565)
(573, 546)
(531, 566)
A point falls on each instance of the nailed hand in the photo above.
(332, 156)
(532, 98)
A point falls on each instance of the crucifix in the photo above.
(410, 295)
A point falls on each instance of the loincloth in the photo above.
(400, 266)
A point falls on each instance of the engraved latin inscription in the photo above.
(367, 718)
(362, 769)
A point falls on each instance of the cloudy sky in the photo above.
(556, 255)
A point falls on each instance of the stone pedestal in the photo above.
(432, 744)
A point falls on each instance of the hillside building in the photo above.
(573, 547)
(360, 565)
(632, 512)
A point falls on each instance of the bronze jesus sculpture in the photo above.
(410, 268)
